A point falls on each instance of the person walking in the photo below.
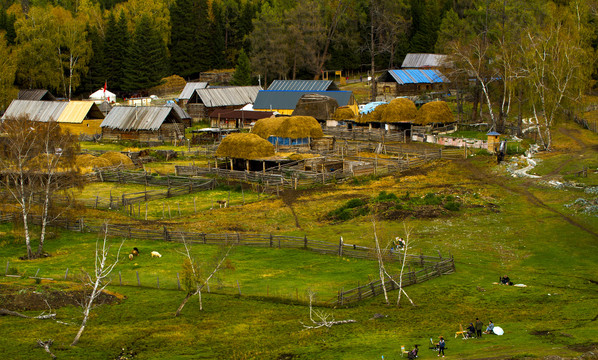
(478, 328)
(441, 346)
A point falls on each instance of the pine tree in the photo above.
(203, 42)
(145, 65)
(242, 75)
(182, 45)
(217, 50)
(117, 43)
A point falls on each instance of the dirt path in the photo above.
(480, 175)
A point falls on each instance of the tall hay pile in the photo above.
(297, 127)
(266, 127)
(399, 110)
(116, 158)
(90, 161)
(435, 112)
(373, 116)
(343, 113)
(293, 127)
(245, 146)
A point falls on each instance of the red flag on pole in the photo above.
(105, 88)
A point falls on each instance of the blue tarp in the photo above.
(369, 107)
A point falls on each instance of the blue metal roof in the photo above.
(303, 85)
(493, 133)
(283, 100)
(415, 76)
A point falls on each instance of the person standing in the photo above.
(441, 346)
(478, 328)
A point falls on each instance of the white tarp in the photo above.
(103, 95)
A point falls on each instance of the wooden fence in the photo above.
(433, 266)
(370, 135)
(374, 288)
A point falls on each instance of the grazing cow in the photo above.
(156, 254)
(135, 251)
(222, 203)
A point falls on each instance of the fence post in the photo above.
(203, 236)
(138, 281)
(166, 237)
(66, 273)
(279, 242)
(373, 289)
(340, 247)
(178, 281)
(238, 238)
(359, 291)
(305, 242)
(239, 287)
(271, 241)
(7, 264)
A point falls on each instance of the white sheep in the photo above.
(156, 254)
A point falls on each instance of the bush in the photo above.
(452, 206)
(353, 203)
(432, 199)
(384, 196)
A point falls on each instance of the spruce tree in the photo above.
(146, 63)
(182, 44)
(117, 43)
(242, 75)
(203, 42)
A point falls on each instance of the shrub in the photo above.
(432, 199)
(452, 206)
(384, 196)
(353, 203)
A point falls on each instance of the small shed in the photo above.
(404, 82)
(493, 141)
(143, 123)
(319, 106)
(203, 101)
(236, 119)
(36, 94)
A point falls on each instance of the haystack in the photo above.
(374, 116)
(399, 110)
(298, 127)
(344, 113)
(266, 127)
(435, 112)
(245, 146)
(90, 161)
(316, 105)
(116, 158)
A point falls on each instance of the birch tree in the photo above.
(97, 281)
(554, 60)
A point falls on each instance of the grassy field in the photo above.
(505, 225)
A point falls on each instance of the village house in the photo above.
(411, 82)
(236, 119)
(285, 101)
(36, 94)
(144, 123)
(204, 101)
(189, 89)
(79, 117)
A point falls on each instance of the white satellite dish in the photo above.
(498, 330)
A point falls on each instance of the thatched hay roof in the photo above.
(344, 113)
(293, 127)
(245, 146)
(116, 158)
(265, 127)
(434, 112)
(399, 110)
(373, 116)
(297, 127)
